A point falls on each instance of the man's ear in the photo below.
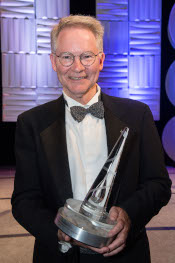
(102, 58)
(53, 61)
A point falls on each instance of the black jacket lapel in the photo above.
(55, 147)
(114, 125)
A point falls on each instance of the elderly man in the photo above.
(59, 153)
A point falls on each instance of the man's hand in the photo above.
(120, 230)
(63, 237)
(119, 233)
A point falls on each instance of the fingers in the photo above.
(113, 213)
(118, 244)
(98, 250)
(122, 219)
(117, 228)
(114, 252)
(77, 243)
(63, 237)
(119, 232)
(102, 250)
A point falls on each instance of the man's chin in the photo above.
(79, 91)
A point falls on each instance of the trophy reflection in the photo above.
(87, 221)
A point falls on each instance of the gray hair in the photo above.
(81, 21)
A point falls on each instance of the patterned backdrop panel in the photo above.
(27, 76)
(113, 10)
(18, 35)
(44, 27)
(132, 30)
(17, 8)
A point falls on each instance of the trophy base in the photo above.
(82, 228)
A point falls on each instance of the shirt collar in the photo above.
(71, 102)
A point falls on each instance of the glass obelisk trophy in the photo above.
(87, 221)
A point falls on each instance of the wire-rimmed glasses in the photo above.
(86, 58)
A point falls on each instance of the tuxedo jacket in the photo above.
(43, 183)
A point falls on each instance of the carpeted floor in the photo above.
(16, 244)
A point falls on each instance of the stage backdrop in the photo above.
(131, 43)
(27, 77)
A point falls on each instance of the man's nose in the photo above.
(77, 66)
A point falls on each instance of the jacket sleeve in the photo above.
(154, 186)
(28, 206)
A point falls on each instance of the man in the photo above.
(59, 155)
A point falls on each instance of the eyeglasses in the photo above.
(86, 59)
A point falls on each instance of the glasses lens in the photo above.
(66, 59)
(87, 58)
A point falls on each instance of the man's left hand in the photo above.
(119, 232)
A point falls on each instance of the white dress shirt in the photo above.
(86, 145)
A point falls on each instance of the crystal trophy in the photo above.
(87, 221)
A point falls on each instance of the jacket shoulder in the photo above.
(43, 115)
(124, 104)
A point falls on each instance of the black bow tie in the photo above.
(96, 109)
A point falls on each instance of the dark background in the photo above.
(167, 110)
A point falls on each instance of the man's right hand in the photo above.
(63, 237)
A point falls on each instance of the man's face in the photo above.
(78, 81)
